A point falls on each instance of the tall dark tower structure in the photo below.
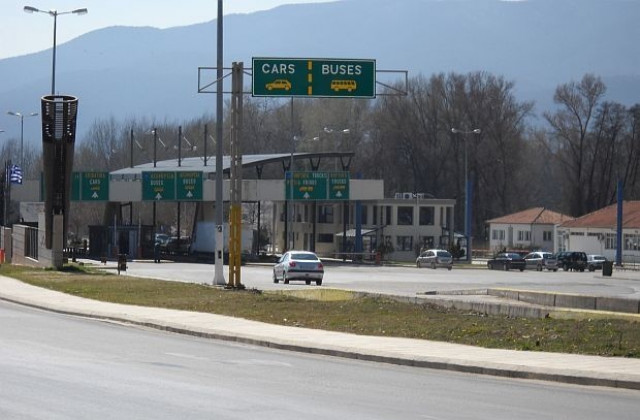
(59, 114)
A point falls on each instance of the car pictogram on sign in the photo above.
(282, 84)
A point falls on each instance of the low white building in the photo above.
(407, 222)
(595, 233)
(532, 229)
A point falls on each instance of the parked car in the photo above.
(540, 260)
(163, 239)
(572, 260)
(298, 265)
(595, 262)
(507, 261)
(178, 246)
(435, 258)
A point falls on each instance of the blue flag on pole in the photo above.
(15, 174)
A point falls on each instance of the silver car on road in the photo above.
(435, 258)
(298, 265)
(540, 260)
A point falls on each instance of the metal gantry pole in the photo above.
(291, 241)
(218, 279)
(235, 212)
(54, 13)
(467, 192)
(467, 221)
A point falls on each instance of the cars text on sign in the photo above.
(314, 77)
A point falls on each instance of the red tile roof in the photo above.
(534, 216)
(607, 217)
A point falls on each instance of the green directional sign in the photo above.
(76, 178)
(189, 186)
(317, 186)
(94, 186)
(338, 185)
(158, 186)
(306, 185)
(350, 78)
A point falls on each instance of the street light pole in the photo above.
(54, 13)
(467, 190)
(21, 116)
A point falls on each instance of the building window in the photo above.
(547, 236)
(524, 235)
(404, 243)
(426, 242)
(610, 241)
(375, 215)
(325, 238)
(325, 214)
(426, 216)
(630, 242)
(405, 216)
(497, 235)
(364, 215)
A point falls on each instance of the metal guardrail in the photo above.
(373, 257)
(629, 262)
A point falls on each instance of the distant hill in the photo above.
(147, 72)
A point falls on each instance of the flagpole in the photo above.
(5, 196)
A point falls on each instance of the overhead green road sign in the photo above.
(158, 186)
(306, 186)
(309, 186)
(338, 185)
(189, 186)
(95, 186)
(90, 186)
(350, 78)
(76, 178)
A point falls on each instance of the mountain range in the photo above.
(152, 74)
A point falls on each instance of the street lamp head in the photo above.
(30, 9)
(329, 130)
(21, 115)
(82, 11)
(457, 131)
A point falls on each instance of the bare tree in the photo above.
(570, 129)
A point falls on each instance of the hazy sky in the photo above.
(23, 33)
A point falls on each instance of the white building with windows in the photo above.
(408, 222)
(595, 233)
(532, 229)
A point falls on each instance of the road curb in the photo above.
(403, 352)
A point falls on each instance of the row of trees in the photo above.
(568, 160)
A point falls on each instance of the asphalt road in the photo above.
(406, 281)
(55, 366)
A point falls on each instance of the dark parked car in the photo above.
(572, 260)
(507, 261)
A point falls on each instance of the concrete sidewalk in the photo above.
(567, 368)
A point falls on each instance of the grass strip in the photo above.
(343, 311)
